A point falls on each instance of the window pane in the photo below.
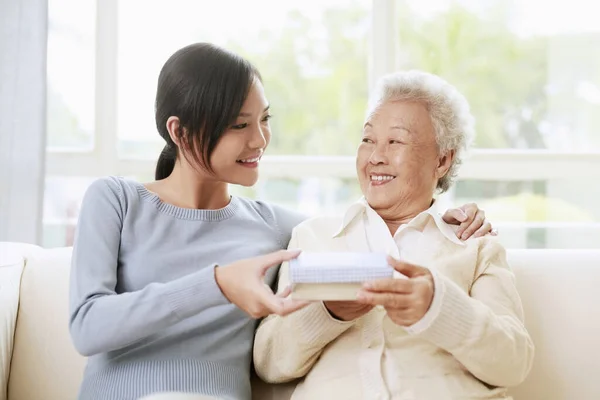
(71, 77)
(530, 69)
(555, 200)
(62, 200)
(536, 214)
(311, 54)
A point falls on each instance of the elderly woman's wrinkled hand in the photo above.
(405, 300)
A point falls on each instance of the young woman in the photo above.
(168, 277)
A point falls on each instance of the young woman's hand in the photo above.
(242, 283)
(471, 221)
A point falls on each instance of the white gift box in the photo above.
(335, 276)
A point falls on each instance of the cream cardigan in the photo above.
(471, 344)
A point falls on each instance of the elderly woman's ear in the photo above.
(471, 221)
(444, 164)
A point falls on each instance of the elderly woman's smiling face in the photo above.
(398, 161)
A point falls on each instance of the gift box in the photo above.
(335, 276)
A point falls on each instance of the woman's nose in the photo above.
(258, 140)
(378, 156)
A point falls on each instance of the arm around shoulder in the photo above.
(484, 330)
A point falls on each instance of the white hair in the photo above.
(449, 110)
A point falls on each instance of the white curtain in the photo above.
(23, 37)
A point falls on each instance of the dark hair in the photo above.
(205, 86)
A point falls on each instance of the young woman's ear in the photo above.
(174, 128)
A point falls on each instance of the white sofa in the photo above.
(560, 290)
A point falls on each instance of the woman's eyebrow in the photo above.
(400, 127)
(245, 114)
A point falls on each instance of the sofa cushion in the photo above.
(45, 364)
(11, 253)
(560, 294)
(558, 289)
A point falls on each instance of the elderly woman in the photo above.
(454, 328)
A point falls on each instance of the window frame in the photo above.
(483, 164)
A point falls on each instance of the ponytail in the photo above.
(165, 163)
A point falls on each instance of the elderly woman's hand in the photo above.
(471, 221)
(405, 300)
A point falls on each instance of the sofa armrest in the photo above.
(10, 281)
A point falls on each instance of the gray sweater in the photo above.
(144, 304)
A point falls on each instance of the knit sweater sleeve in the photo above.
(103, 320)
(484, 329)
